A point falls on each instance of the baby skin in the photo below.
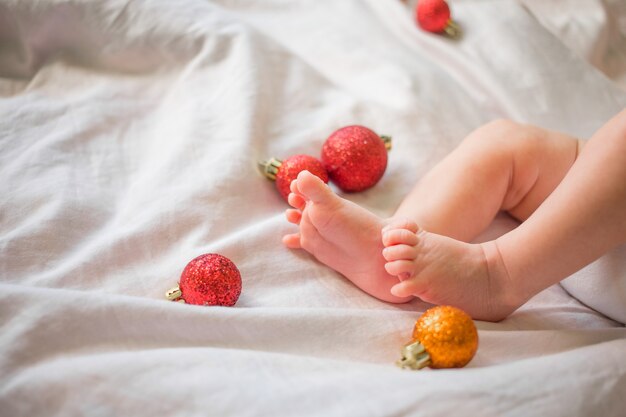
(425, 249)
(380, 255)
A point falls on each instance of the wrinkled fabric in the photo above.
(129, 137)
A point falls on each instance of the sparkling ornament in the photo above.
(210, 280)
(283, 172)
(355, 157)
(434, 16)
(443, 337)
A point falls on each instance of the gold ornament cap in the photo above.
(453, 30)
(443, 337)
(270, 168)
(175, 294)
(387, 141)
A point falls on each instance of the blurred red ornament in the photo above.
(210, 279)
(434, 16)
(355, 157)
(283, 172)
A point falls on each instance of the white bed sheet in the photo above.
(129, 133)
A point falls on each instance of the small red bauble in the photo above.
(355, 157)
(210, 280)
(283, 172)
(434, 16)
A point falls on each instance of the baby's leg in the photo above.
(580, 221)
(583, 217)
(502, 166)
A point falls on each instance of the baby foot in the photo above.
(340, 234)
(442, 270)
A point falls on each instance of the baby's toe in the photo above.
(400, 268)
(399, 237)
(293, 216)
(406, 288)
(399, 252)
(313, 188)
(296, 201)
(293, 186)
(292, 241)
(401, 223)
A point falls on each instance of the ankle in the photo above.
(504, 288)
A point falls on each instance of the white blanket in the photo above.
(129, 135)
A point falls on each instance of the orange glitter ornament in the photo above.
(443, 337)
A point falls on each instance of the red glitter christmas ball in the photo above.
(210, 280)
(433, 15)
(355, 158)
(292, 166)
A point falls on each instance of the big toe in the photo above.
(401, 223)
(313, 188)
